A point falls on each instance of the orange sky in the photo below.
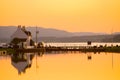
(69, 15)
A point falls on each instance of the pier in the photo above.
(61, 48)
(72, 48)
(82, 49)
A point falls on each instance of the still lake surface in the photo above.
(61, 66)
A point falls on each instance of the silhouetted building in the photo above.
(22, 38)
(89, 42)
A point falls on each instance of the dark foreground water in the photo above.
(62, 66)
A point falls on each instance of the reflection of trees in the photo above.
(22, 61)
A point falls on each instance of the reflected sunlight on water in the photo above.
(62, 66)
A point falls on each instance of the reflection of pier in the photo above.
(73, 48)
(30, 50)
(34, 50)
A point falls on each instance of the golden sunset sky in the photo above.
(69, 15)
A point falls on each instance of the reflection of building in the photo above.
(22, 38)
(89, 56)
(22, 61)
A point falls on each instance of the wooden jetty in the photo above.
(71, 48)
(43, 49)
(76, 49)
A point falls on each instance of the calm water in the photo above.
(62, 66)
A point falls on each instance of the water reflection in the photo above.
(23, 61)
(89, 56)
(61, 66)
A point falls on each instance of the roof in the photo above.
(21, 33)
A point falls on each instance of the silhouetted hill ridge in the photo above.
(54, 35)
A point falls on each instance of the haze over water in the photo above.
(65, 66)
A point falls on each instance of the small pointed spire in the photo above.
(19, 26)
(23, 28)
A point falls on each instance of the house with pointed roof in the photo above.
(22, 38)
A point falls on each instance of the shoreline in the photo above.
(49, 49)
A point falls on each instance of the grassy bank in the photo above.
(8, 50)
(112, 49)
(91, 49)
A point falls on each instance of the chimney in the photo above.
(23, 28)
(19, 26)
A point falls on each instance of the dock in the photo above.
(82, 49)
(75, 49)
(115, 49)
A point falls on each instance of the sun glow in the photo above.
(69, 15)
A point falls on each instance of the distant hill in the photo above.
(7, 31)
(54, 35)
(87, 34)
(47, 32)
(94, 38)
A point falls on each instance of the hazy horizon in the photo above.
(112, 31)
(50, 34)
